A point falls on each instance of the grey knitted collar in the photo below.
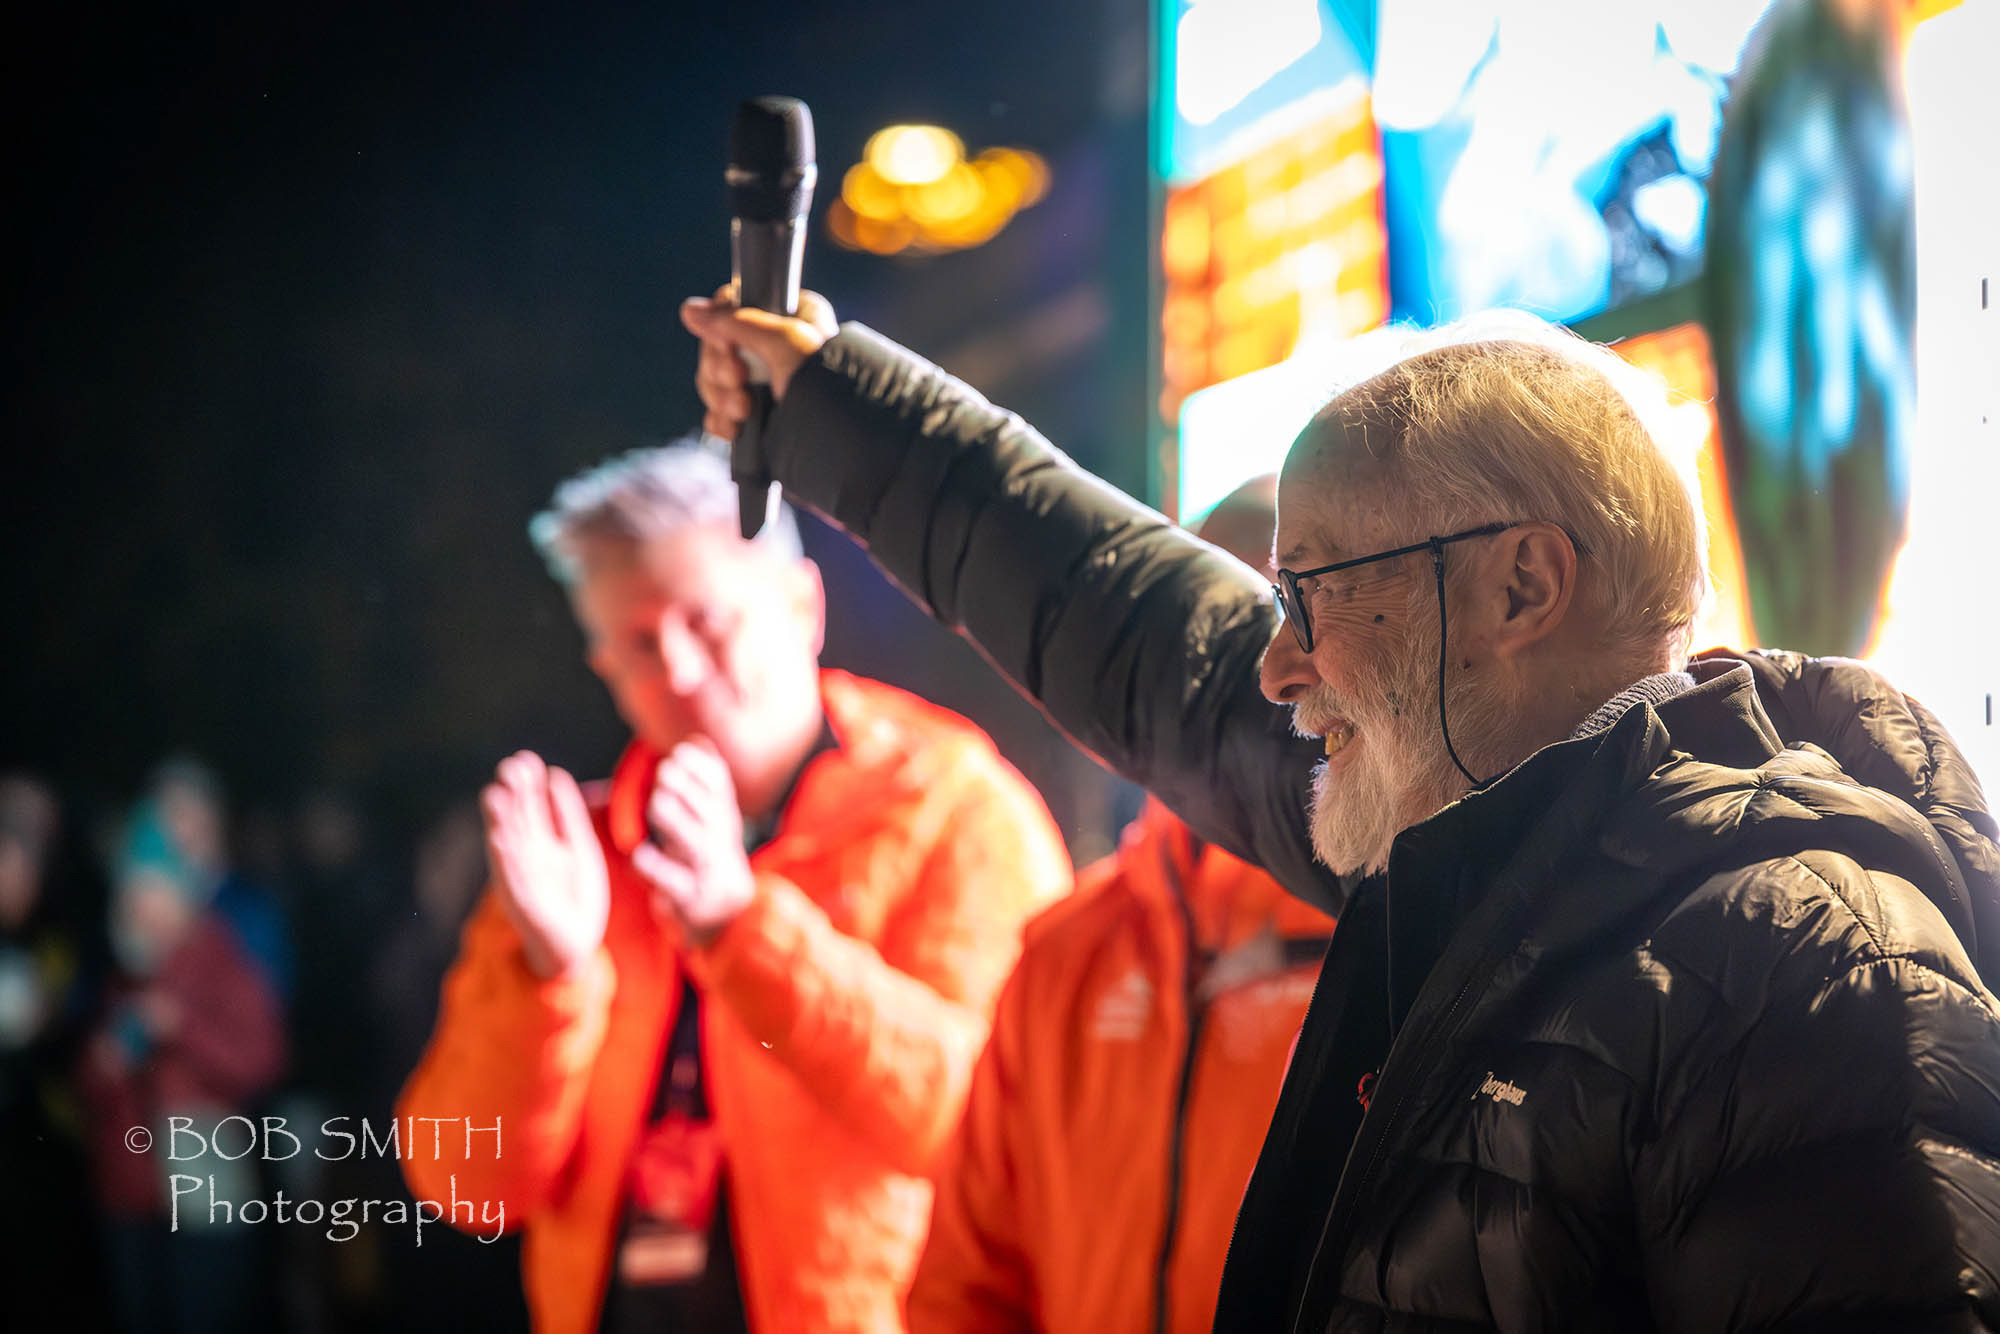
(1651, 690)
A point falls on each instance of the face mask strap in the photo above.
(1437, 569)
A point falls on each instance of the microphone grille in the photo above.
(772, 136)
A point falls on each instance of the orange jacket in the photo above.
(842, 1016)
(1104, 1128)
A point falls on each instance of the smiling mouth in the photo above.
(1337, 736)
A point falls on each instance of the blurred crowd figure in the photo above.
(51, 904)
(160, 959)
(186, 800)
(189, 1025)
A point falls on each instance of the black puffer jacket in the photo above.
(1677, 1027)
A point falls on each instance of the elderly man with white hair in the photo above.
(1661, 993)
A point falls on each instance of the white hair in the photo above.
(1505, 417)
(645, 494)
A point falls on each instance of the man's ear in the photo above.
(1539, 584)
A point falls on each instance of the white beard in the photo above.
(1402, 773)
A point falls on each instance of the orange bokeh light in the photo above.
(915, 191)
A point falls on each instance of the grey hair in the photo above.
(1507, 417)
(645, 494)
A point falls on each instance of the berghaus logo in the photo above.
(1500, 1090)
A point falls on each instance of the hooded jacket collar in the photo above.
(1699, 778)
(1889, 741)
(1508, 838)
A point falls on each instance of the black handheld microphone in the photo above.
(770, 178)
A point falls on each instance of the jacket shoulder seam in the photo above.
(1882, 952)
(1874, 938)
(1949, 982)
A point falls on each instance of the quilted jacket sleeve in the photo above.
(508, 1046)
(1854, 1114)
(886, 1034)
(1139, 641)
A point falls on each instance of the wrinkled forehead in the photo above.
(1333, 500)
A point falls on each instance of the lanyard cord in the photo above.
(1437, 568)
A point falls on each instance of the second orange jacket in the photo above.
(1119, 1108)
(842, 1016)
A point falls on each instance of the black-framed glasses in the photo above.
(1291, 593)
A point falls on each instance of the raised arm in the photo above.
(1135, 638)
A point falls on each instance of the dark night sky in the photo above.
(312, 307)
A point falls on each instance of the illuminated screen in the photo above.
(1271, 244)
(1275, 253)
(1238, 68)
(1824, 220)
(1681, 358)
(1242, 428)
(1549, 156)
(1935, 634)
(1810, 302)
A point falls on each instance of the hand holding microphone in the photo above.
(729, 333)
(770, 178)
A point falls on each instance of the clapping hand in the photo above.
(547, 861)
(697, 867)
